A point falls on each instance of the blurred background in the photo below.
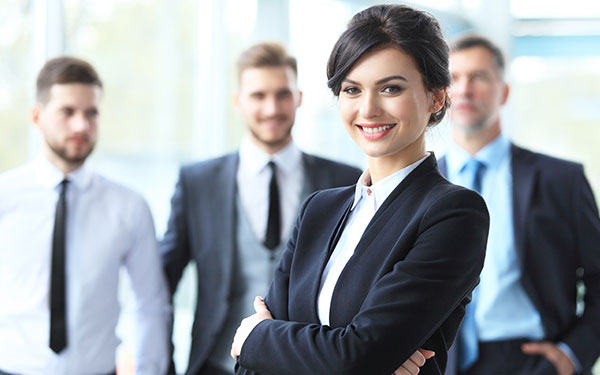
(169, 74)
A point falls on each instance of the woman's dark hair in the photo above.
(415, 32)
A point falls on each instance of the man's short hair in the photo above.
(64, 70)
(267, 54)
(474, 40)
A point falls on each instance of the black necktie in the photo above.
(58, 322)
(273, 235)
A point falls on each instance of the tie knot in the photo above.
(271, 164)
(477, 168)
(475, 165)
(63, 185)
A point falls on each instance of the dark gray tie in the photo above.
(273, 235)
(58, 321)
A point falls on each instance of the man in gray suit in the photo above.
(232, 215)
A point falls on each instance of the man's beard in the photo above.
(276, 142)
(471, 129)
(62, 152)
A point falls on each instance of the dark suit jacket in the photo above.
(405, 287)
(202, 228)
(557, 234)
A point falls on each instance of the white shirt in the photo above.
(367, 200)
(253, 178)
(108, 226)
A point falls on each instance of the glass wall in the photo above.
(169, 75)
(554, 101)
(15, 80)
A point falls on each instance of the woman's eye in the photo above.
(351, 91)
(392, 89)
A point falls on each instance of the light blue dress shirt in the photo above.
(503, 310)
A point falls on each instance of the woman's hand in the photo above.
(248, 324)
(410, 367)
(416, 361)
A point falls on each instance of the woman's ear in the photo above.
(438, 99)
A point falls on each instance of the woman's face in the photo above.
(385, 106)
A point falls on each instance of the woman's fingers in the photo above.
(413, 364)
(427, 353)
(259, 305)
(261, 308)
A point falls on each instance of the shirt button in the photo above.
(369, 192)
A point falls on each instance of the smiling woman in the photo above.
(353, 291)
(387, 114)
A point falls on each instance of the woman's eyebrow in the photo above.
(390, 78)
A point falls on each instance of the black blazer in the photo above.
(202, 228)
(405, 287)
(557, 239)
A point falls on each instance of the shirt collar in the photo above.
(383, 188)
(50, 176)
(491, 155)
(254, 160)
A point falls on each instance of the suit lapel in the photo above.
(312, 181)
(225, 190)
(524, 175)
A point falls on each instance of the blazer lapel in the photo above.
(393, 202)
(333, 240)
(524, 175)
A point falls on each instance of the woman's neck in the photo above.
(383, 166)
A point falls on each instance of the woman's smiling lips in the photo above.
(374, 131)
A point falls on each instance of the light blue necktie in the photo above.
(467, 340)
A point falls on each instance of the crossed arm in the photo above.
(410, 367)
(395, 318)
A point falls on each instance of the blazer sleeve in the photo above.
(174, 246)
(584, 337)
(404, 308)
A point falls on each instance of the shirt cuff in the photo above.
(569, 353)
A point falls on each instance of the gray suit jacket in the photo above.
(202, 228)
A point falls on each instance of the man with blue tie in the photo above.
(543, 241)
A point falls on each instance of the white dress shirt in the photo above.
(253, 178)
(367, 200)
(108, 226)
